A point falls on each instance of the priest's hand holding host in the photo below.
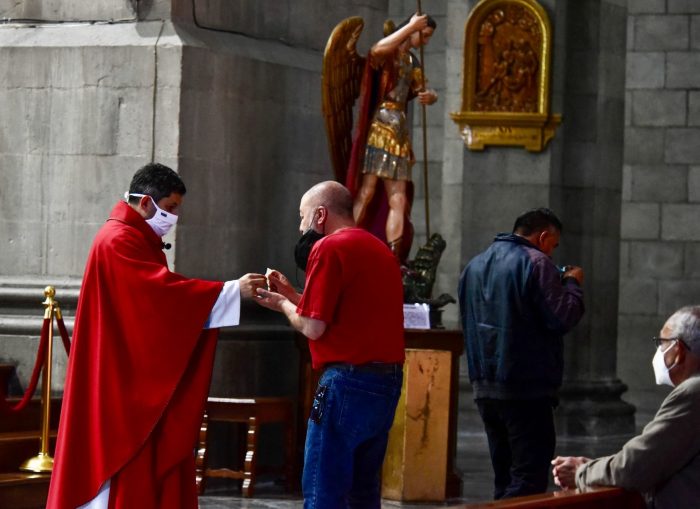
(249, 283)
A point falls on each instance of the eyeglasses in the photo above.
(658, 341)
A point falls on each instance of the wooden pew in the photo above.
(23, 491)
(596, 498)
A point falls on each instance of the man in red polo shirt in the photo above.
(351, 310)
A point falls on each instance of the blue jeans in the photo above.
(347, 436)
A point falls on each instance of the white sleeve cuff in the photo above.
(227, 308)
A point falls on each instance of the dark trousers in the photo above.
(521, 442)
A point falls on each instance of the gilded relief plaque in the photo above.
(505, 93)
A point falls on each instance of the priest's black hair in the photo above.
(157, 181)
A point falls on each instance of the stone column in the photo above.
(590, 197)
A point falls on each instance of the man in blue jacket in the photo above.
(516, 305)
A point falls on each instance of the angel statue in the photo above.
(380, 148)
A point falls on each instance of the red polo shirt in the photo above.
(353, 284)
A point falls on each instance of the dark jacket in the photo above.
(515, 309)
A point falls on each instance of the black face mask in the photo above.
(304, 245)
(303, 248)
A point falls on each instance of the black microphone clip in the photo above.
(166, 246)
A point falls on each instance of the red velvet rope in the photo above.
(64, 334)
(5, 407)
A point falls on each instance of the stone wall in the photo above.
(81, 103)
(660, 248)
(70, 10)
(234, 107)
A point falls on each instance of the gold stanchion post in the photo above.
(43, 462)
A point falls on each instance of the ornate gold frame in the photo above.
(506, 125)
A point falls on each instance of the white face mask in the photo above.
(660, 370)
(162, 221)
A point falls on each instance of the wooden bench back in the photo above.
(597, 498)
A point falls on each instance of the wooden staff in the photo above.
(425, 134)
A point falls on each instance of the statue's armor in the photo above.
(388, 153)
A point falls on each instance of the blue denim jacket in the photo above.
(515, 309)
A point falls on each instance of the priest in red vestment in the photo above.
(140, 365)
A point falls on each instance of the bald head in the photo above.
(332, 195)
(326, 207)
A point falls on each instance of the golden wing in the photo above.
(340, 86)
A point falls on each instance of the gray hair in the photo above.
(685, 324)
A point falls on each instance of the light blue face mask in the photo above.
(162, 221)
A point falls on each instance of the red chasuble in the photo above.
(138, 375)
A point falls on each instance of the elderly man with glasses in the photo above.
(664, 461)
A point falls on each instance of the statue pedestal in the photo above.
(431, 409)
(415, 465)
(436, 400)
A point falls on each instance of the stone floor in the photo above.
(472, 462)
